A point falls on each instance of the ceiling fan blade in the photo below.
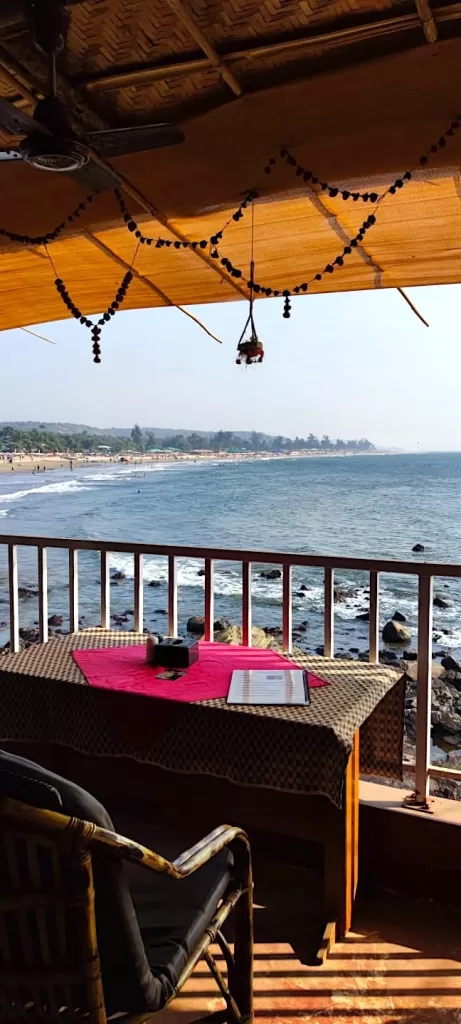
(14, 121)
(118, 141)
(9, 154)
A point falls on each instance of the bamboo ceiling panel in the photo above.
(358, 124)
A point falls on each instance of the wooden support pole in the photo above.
(181, 11)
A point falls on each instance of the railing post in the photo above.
(246, 604)
(13, 593)
(209, 600)
(374, 618)
(105, 591)
(42, 595)
(287, 608)
(73, 590)
(423, 691)
(172, 596)
(138, 593)
(329, 614)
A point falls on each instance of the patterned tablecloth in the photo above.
(44, 697)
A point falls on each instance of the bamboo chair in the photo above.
(59, 876)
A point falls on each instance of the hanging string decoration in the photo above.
(250, 350)
(182, 243)
(373, 197)
(104, 319)
(258, 288)
(50, 236)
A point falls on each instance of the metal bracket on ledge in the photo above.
(411, 804)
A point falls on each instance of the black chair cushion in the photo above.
(143, 948)
(173, 915)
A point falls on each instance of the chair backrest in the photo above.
(48, 945)
(69, 936)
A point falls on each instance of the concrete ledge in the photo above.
(390, 798)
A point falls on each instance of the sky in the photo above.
(356, 364)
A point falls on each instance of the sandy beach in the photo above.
(38, 464)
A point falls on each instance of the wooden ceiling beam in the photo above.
(179, 8)
(144, 74)
(29, 74)
(157, 215)
(145, 280)
(426, 18)
(341, 233)
(366, 257)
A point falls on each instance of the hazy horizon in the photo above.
(350, 365)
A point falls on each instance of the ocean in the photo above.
(373, 506)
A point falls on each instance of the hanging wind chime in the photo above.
(250, 350)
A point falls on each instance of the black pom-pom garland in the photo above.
(104, 319)
(201, 243)
(367, 197)
(49, 236)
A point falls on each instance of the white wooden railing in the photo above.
(424, 571)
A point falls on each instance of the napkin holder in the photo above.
(175, 652)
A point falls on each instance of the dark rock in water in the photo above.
(55, 620)
(201, 572)
(119, 575)
(114, 583)
(300, 593)
(451, 664)
(441, 602)
(154, 583)
(343, 593)
(447, 632)
(363, 616)
(128, 611)
(399, 617)
(395, 633)
(410, 655)
(364, 656)
(301, 628)
(30, 636)
(271, 574)
(196, 625)
(354, 650)
(220, 624)
(25, 592)
(3, 625)
(387, 657)
(319, 650)
(303, 587)
(418, 547)
(159, 611)
(273, 630)
(345, 656)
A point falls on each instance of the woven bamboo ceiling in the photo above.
(356, 89)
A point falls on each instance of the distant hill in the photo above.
(81, 428)
(33, 435)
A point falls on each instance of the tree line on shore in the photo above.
(35, 440)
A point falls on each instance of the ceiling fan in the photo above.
(50, 142)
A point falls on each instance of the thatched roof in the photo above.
(355, 90)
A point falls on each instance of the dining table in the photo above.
(309, 755)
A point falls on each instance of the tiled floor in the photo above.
(402, 963)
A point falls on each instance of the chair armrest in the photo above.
(187, 862)
(92, 835)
